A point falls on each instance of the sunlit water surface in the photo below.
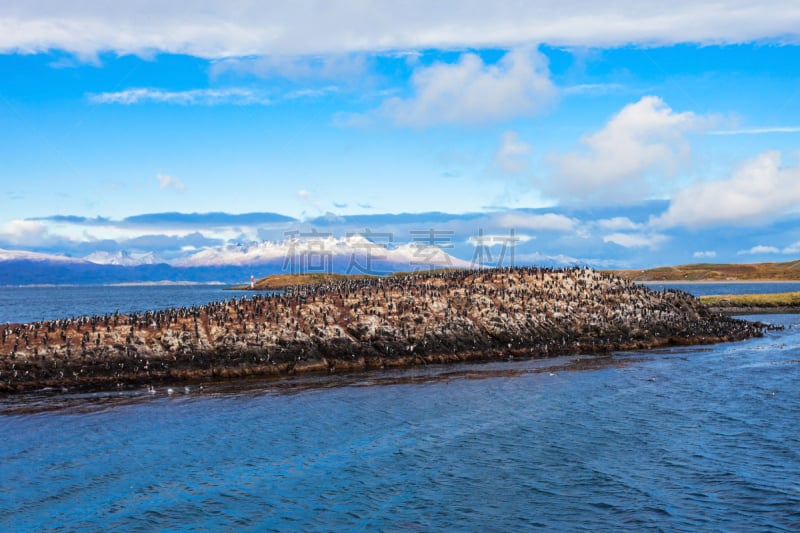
(689, 439)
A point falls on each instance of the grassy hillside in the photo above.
(788, 271)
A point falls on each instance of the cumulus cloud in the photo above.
(759, 191)
(643, 141)
(636, 240)
(512, 154)
(165, 182)
(24, 233)
(472, 92)
(190, 97)
(231, 28)
(759, 250)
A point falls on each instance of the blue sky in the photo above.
(622, 136)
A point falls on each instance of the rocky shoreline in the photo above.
(362, 324)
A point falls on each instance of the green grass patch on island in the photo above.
(783, 299)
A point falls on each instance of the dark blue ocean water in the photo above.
(29, 304)
(691, 439)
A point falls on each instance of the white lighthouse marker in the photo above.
(252, 282)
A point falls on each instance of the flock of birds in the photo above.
(412, 318)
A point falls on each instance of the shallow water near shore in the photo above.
(682, 439)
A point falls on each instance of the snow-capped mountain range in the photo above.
(357, 248)
(124, 258)
(227, 263)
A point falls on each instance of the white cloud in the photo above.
(512, 154)
(472, 92)
(761, 190)
(190, 97)
(644, 140)
(337, 67)
(24, 233)
(618, 223)
(706, 254)
(538, 258)
(793, 248)
(545, 222)
(594, 88)
(636, 240)
(757, 131)
(307, 198)
(759, 250)
(165, 181)
(343, 119)
(230, 28)
(499, 240)
(311, 93)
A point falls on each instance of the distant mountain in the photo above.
(23, 255)
(227, 264)
(124, 258)
(355, 251)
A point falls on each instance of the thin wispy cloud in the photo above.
(757, 131)
(311, 93)
(762, 249)
(170, 182)
(338, 68)
(512, 154)
(593, 88)
(206, 97)
(637, 240)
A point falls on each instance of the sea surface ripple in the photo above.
(689, 439)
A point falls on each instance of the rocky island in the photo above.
(359, 324)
